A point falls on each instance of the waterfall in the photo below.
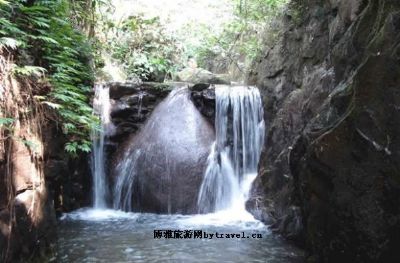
(233, 160)
(101, 108)
(140, 102)
(160, 168)
(124, 186)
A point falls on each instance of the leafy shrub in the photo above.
(47, 41)
(143, 48)
(241, 39)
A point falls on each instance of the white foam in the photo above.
(239, 218)
(91, 214)
(232, 166)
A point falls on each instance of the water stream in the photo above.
(233, 161)
(225, 231)
(115, 236)
(101, 107)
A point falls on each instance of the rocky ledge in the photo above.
(329, 174)
(133, 103)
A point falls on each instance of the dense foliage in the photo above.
(147, 48)
(241, 39)
(143, 48)
(57, 42)
(48, 45)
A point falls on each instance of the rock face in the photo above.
(132, 104)
(36, 175)
(27, 219)
(67, 178)
(164, 163)
(330, 173)
(203, 97)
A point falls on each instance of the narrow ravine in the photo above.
(224, 231)
(199, 131)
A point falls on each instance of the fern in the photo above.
(71, 147)
(45, 29)
(29, 71)
(52, 105)
(9, 42)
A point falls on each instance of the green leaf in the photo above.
(31, 145)
(6, 121)
(47, 39)
(84, 148)
(40, 22)
(71, 147)
(29, 71)
(9, 42)
(52, 105)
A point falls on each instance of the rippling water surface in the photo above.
(89, 235)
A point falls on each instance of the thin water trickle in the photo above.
(124, 187)
(140, 102)
(101, 107)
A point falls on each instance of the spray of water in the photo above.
(124, 185)
(234, 157)
(101, 107)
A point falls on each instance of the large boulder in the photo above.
(160, 169)
(203, 97)
(131, 106)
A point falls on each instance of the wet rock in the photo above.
(166, 159)
(118, 90)
(62, 171)
(26, 238)
(199, 87)
(331, 145)
(132, 105)
(35, 170)
(344, 167)
(204, 100)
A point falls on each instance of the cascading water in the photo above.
(140, 102)
(101, 107)
(124, 187)
(164, 164)
(160, 169)
(232, 163)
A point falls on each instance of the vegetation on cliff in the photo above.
(156, 45)
(45, 41)
(241, 39)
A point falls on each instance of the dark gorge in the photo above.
(300, 148)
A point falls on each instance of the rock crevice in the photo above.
(328, 175)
